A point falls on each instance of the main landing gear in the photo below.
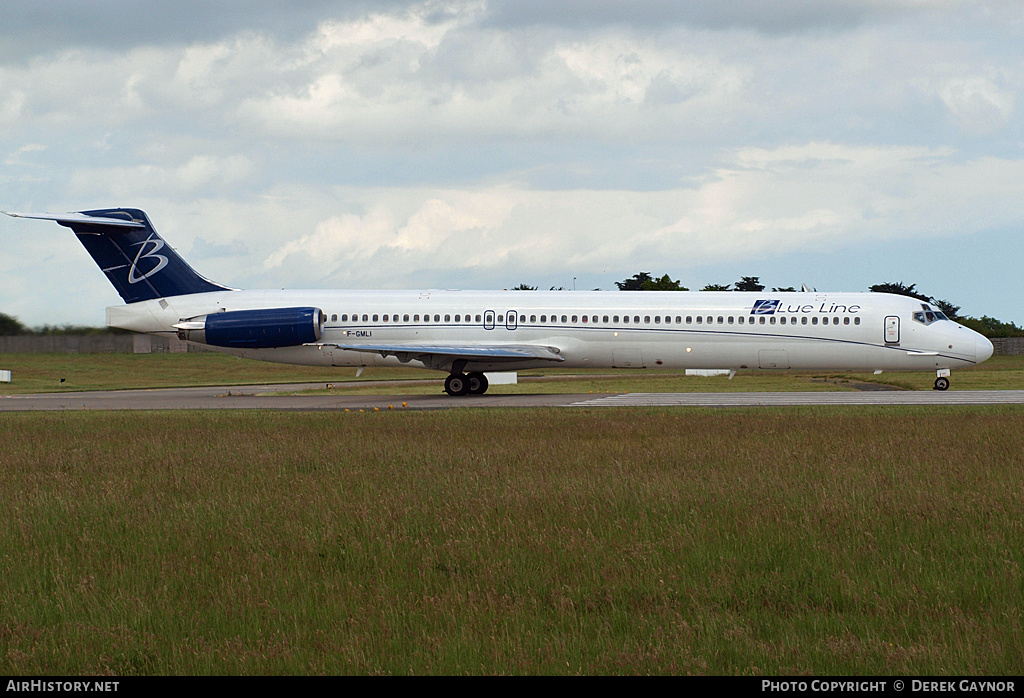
(458, 384)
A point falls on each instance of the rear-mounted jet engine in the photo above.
(255, 329)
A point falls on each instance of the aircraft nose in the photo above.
(982, 348)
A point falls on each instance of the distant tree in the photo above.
(990, 327)
(665, 283)
(10, 326)
(749, 283)
(558, 288)
(947, 308)
(787, 289)
(716, 287)
(636, 283)
(899, 288)
(645, 282)
(525, 287)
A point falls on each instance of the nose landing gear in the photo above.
(942, 379)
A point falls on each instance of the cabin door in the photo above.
(892, 330)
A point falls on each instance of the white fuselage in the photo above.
(647, 329)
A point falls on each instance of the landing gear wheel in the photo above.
(477, 383)
(941, 383)
(456, 385)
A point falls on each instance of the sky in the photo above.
(482, 144)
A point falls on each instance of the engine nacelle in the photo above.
(255, 329)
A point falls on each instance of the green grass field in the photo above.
(786, 541)
(826, 541)
(35, 373)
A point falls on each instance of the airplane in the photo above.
(469, 333)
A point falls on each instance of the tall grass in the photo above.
(824, 541)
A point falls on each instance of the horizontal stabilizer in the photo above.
(80, 218)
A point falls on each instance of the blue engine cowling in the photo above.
(255, 329)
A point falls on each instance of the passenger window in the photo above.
(636, 319)
(625, 319)
(721, 320)
(689, 319)
(565, 319)
(771, 320)
(615, 319)
(385, 318)
(679, 319)
(731, 319)
(584, 318)
(437, 318)
(605, 319)
(647, 319)
(761, 320)
(856, 321)
(344, 318)
(741, 319)
(574, 319)
(699, 319)
(365, 317)
(375, 318)
(846, 320)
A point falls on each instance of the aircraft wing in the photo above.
(468, 352)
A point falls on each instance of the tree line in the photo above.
(988, 326)
(10, 326)
(642, 281)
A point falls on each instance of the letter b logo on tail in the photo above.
(147, 254)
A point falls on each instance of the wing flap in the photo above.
(469, 352)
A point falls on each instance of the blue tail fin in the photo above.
(136, 260)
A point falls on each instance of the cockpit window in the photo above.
(928, 315)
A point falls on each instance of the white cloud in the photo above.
(463, 143)
(978, 103)
(199, 174)
(765, 204)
